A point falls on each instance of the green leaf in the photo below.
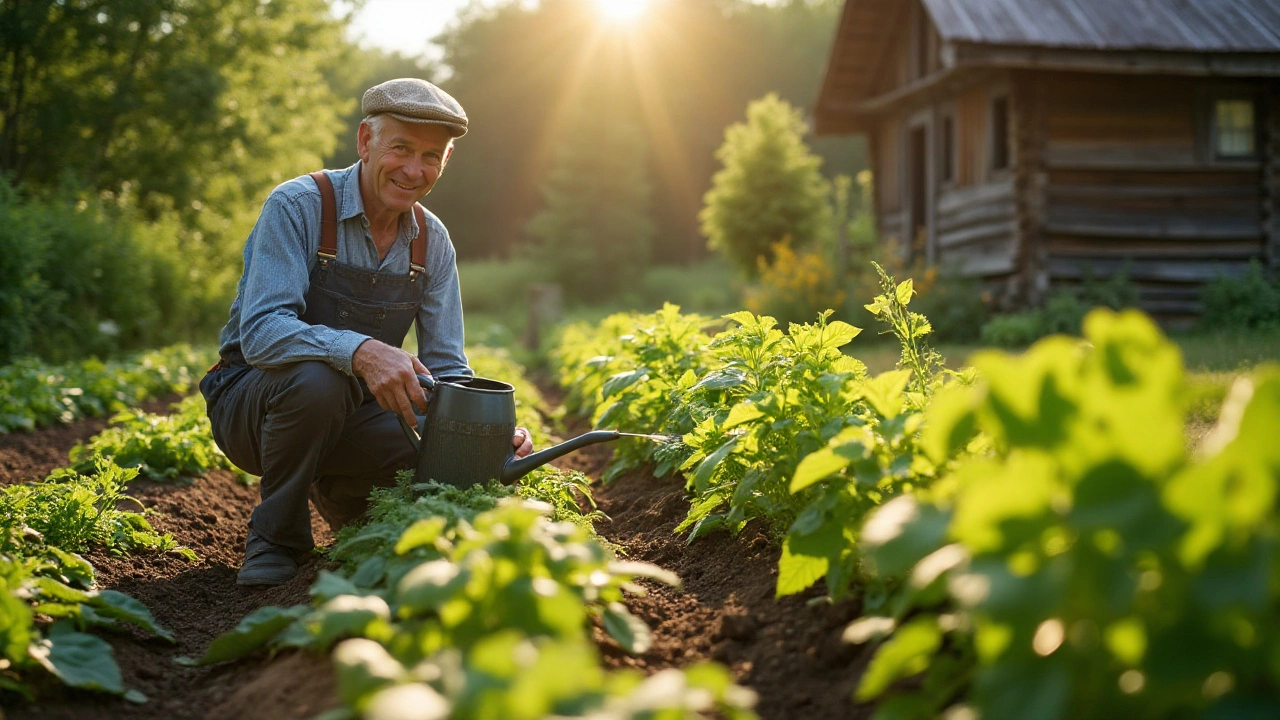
(816, 466)
(428, 586)
(702, 478)
(80, 661)
(905, 654)
(422, 533)
(364, 667)
(901, 533)
(953, 421)
(74, 569)
(348, 615)
(621, 381)
(117, 605)
(251, 633)
(838, 334)
(630, 631)
(745, 411)
(797, 572)
(904, 292)
(330, 585)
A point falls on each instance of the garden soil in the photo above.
(788, 651)
(196, 601)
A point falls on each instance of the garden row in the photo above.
(49, 598)
(1030, 538)
(479, 603)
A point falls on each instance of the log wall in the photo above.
(1130, 185)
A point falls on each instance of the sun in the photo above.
(622, 11)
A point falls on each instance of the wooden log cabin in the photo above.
(1035, 143)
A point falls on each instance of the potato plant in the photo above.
(33, 394)
(477, 603)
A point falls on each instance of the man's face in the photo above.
(402, 163)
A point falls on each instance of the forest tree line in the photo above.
(138, 138)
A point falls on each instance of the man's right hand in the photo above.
(391, 374)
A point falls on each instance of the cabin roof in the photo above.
(1168, 25)
(1233, 37)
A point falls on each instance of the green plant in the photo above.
(1084, 564)
(594, 232)
(33, 394)
(1252, 301)
(74, 511)
(161, 447)
(47, 601)
(770, 188)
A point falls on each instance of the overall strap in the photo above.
(328, 217)
(418, 254)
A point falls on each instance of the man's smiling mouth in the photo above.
(404, 187)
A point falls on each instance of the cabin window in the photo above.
(948, 148)
(1000, 133)
(1234, 134)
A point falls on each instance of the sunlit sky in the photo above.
(407, 26)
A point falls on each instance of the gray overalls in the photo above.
(308, 423)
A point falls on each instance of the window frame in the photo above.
(1211, 128)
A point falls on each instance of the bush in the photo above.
(1063, 312)
(594, 231)
(795, 287)
(91, 278)
(1252, 301)
(956, 307)
(769, 189)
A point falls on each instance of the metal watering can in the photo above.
(466, 436)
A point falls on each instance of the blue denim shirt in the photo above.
(279, 256)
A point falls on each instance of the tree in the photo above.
(195, 106)
(769, 190)
(594, 231)
(682, 72)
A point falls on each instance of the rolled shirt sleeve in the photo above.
(274, 286)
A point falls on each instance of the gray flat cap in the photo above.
(417, 101)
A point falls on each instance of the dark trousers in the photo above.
(301, 424)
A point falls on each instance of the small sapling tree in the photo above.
(769, 189)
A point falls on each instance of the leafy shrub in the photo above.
(81, 279)
(1252, 301)
(33, 394)
(1063, 312)
(1084, 564)
(74, 511)
(161, 447)
(956, 308)
(770, 188)
(796, 286)
(594, 232)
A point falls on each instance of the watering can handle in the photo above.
(428, 383)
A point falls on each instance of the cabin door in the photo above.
(917, 189)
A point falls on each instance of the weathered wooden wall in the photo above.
(1130, 185)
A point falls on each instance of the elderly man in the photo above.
(311, 376)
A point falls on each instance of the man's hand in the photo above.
(390, 374)
(521, 442)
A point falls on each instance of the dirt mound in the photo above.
(197, 602)
(25, 457)
(787, 651)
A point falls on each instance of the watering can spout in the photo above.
(517, 468)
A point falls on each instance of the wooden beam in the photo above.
(1141, 62)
